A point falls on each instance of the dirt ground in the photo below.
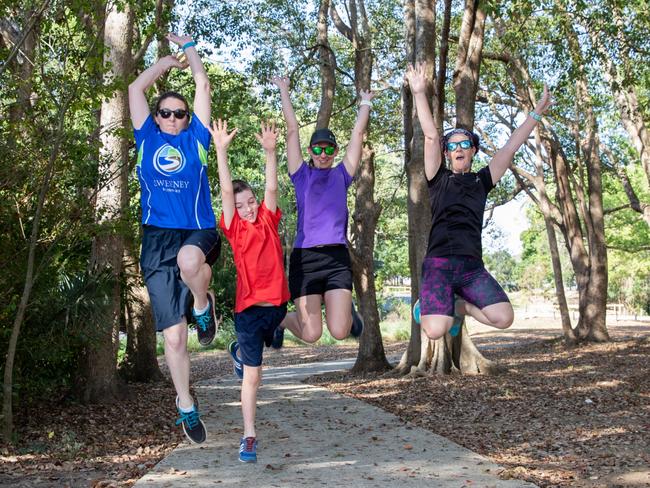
(559, 417)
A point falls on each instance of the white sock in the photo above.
(202, 311)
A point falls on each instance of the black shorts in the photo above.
(255, 326)
(315, 270)
(169, 296)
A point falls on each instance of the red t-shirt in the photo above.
(258, 259)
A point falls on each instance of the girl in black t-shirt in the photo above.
(453, 264)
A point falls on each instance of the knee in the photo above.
(252, 377)
(310, 335)
(339, 333)
(504, 321)
(434, 331)
(189, 262)
(175, 341)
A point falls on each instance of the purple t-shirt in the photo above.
(321, 198)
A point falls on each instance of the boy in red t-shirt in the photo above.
(262, 290)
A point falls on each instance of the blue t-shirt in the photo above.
(172, 170)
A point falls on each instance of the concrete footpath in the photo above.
(310, 437)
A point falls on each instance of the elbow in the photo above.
(202, 83)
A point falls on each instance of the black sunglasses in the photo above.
(179, 113)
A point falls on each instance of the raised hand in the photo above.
(268, 136)
(366, 95)
(416, 78)
(545, 102)
(178, 40)
(175, 61)
(220, 135)
(282, 82)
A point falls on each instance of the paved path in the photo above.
(310, 437)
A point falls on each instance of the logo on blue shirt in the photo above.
(169, 160)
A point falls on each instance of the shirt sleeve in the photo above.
(486, 178)
(147, 128)
(273, 217)
(234, 225)
(299, 176)
(198, 130)
(439, 174)
(347, 177)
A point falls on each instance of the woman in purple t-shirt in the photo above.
(453, 263)
(320, 266)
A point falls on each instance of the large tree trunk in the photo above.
(327, 63)
(100, 357)
(371, 355)
(140, 360)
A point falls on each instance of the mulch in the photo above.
(558, 417)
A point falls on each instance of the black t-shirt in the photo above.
(457, 206)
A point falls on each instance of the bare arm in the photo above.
(138, 105)
(432, 155)
(294, 154)
(352, 156)
(268, 138)
(202, 99)
(503, 158)
(222, 140)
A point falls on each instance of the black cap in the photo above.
(323, 135)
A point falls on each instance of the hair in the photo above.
(239, 186)
(476, 140)
(171, 94)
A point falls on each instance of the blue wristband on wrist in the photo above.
(536, 116)
(188, 44)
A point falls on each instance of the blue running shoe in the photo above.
(193, 426)
(458, 323)
(206, 323)
(233, 347)
(416, 311)
(248, 450)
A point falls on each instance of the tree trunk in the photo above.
(327, 63)
(371, 355)
(100, 357)
(140, 359)
(468, 62)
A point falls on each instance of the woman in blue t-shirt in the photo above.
(453, 264)
(180, 242)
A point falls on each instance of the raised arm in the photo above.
(268, 138)
(353, 151)
(202, 98)
(222, 140)
(138, 105)
(503, 158)
(294, 154)
(432, 155)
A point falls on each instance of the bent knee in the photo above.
(434, 331)
(504, 322)
(310, 336)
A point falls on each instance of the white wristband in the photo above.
(365, 102)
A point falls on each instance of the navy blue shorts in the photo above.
(315, 270)
(170, 297)
(255, 326)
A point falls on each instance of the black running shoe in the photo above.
(193, 426)
(206, 323)
(278, 338)
(357, 323)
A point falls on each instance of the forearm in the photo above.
(271, 171)
(225, 180)
(148, 77)
(289, 114)
(425, 117)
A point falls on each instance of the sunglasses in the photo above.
(465, 144)
(329, 150)
(179, 113)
